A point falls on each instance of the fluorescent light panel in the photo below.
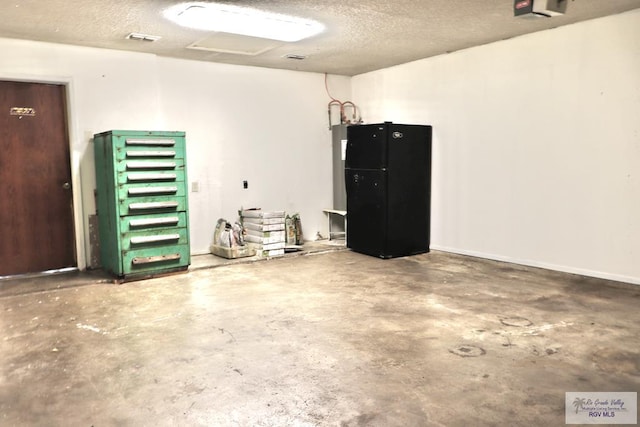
(243, 21)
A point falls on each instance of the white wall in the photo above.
(268, 127)
(536, 145)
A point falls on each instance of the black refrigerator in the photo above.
(388, 185)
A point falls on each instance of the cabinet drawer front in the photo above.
(147, 205)
(135, 191)
(144, 165)
(132, 177)
(159, 239)
(140, 152)
(153, 141)
(153, 222)
(155, 259)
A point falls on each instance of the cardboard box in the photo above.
(269, 250)
(259, 213)
(251, 226)
(271, 253)
(264, 237)
(260, 220)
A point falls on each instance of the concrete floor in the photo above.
(331, 339)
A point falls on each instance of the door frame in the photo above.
(75, 140)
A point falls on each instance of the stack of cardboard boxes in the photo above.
(265, 230)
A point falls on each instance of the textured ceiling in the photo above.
(360, 36)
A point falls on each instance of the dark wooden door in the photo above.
(36, 201)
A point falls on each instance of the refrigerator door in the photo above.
(409, 189)
(367, 146)
(366, 210)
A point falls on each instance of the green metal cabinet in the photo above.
(143, 214)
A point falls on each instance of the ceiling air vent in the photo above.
(235, 44)
(295, 56)
(143, 37)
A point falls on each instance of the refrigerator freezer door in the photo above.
(367, 146)
(366, 207)
(409, 150)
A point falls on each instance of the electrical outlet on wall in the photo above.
(195, 186)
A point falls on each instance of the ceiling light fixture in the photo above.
(243, 21)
